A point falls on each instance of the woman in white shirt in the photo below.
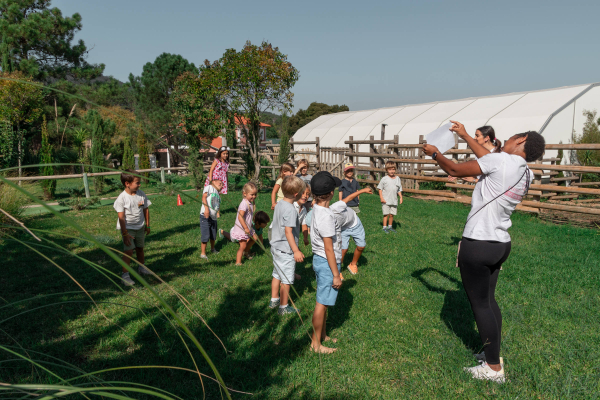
(485, 245)
(485, 136)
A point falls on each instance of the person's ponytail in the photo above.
(497, 145)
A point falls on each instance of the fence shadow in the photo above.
(456, 311)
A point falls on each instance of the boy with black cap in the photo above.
(326, 239)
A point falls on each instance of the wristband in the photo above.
(434, 155)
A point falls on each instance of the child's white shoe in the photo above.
(203, 256)
(484, 372)
(144, 271)
(126, 279)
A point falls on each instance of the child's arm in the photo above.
(274, 196)
(210, 173)
(123, 225)
(328, 244)
(381, 196)
(205, 202)
(260, 239)
(289, 235)
(241, 214)
(356, 194)
(400, 194)
(147, 218)
(340, 193)
(305, 234)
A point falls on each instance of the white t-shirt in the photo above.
(301, 212)
(500, 172)
(345, 216)
(390, 187)
(133, 206)
(211, 213)
(325, 225)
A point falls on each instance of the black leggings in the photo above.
(480, 263)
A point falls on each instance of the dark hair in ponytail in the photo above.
(488, 131)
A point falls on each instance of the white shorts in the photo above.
(284, 266)
(387, 210)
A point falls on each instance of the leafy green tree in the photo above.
(100, 131)
(250, 82)
(128, 157)
(37, 40)
(284, 143)
(153, 90)
(142, 144)
(21, 105)
(314, 111)
(8, 148)
(46, 150)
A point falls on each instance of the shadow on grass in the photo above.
(456, 311)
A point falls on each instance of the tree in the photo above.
(153, 90)
(37, 40)
(284, 143)
(20, 105)
(49, 186)
(250, 82)
(142, 144)
(100, 130)
(128, 157)
(590, 135)
(314, 111)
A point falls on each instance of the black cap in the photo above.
(323, 182)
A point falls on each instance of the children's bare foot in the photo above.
(327, 339)
(297, 277)
(322, 349)
(353, 268)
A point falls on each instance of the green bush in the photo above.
(79, 203)
(12, 201)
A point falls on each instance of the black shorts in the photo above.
(208, 228)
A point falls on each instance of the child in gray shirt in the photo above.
(390, 188)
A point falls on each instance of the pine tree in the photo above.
(49, 185)
(128, 157)
(144, 160)
(96, 125)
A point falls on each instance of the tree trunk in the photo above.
(19, 149)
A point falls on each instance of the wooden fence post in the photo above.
(318, 151)
(162, 174)
(419, 157)
(86, 185)
(372, 161)
(291, 143)
(351, 147)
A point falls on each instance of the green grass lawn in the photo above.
(404, 324)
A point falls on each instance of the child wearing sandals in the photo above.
(326, 239)
(242, 231)
(284, 245)
(261, 220)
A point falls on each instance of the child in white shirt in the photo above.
(390, 187)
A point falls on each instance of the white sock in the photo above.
(280, 306)
(125, 274)
(274, 298)
(389, 226)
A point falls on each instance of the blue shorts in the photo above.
(326, 294)
(357, 232)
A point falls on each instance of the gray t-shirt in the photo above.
(347, 188)
(323, 225)
(285, 216)
(390, 188)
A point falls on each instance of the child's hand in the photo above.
(218, 214)
(451, 178)
(337, 282)
(401, 199)
(367, 190)
(273, 206)
(298, 256)
(127, 239)
(382, 200)
(147, 230)
(206, 212)
(306, 241)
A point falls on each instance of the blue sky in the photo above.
(365, 54)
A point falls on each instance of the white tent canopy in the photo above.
(555, 113)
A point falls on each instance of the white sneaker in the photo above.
(126, 279)
(484, 372)
(144, 271)
(481, 358)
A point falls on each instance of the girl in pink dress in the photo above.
(219, 168)
(242, 230)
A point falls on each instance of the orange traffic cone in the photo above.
(179, 202)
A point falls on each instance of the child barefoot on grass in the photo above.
(208, 217)
(132, 209)
(390, 188)
(242, 230)
(326, 243)
(261, 220)
(284, 244)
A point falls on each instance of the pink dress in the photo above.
(220, 173)
(238, 232)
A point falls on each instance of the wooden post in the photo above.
(537, 180)
(291, 143)
(351, 148)
(372, 161)
(382, 146)
(318, 151)
(419, 157)
(86, 185)
(396, 152)
(162, 174)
